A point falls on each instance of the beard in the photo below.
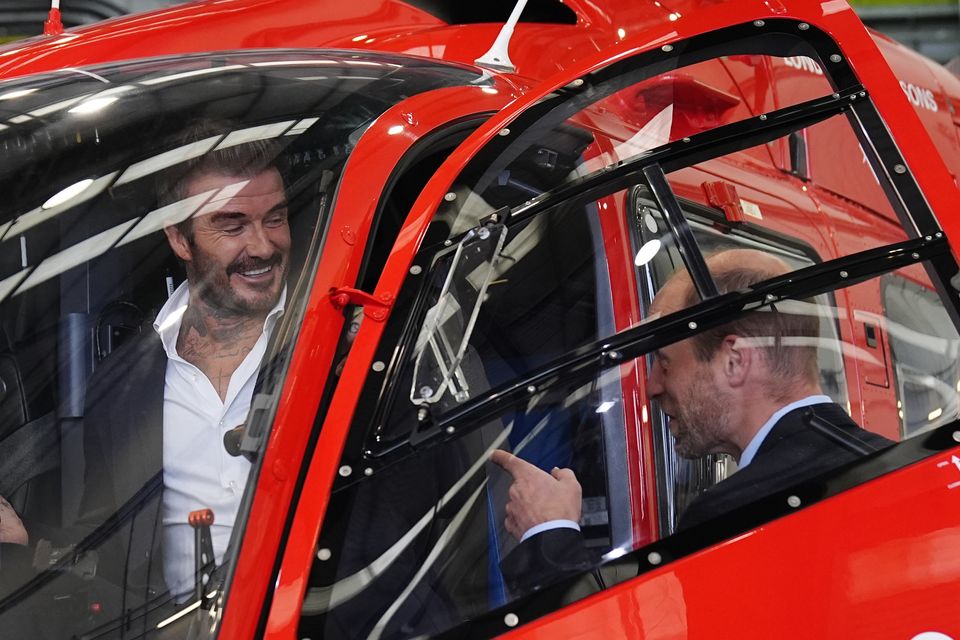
(701, 420)
(212, 283)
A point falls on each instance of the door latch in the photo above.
(374, 307)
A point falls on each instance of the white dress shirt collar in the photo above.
(751, 449)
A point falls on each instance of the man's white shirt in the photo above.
(198, 473)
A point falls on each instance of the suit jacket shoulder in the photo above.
(791, 453)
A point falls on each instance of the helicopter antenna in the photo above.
(498, 57)
(53, 26)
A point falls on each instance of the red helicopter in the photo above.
(482, 207)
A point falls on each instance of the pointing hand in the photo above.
(537, 496)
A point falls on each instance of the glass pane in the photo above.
(923, 352)
(466, 274)
(631, 115)
(158, 235)
(502, 302)
(658, 257)
(427, 542)
(614, 226)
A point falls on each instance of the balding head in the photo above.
(790, 363)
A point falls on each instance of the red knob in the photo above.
(200, 518)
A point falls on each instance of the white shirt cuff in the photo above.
(547, 526)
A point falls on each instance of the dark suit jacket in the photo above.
(123, 459)
(791, 453)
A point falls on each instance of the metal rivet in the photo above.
(324, 554)
(803, 26)
(763, 116)
(450, 429)
(691, 325)
(686, 139)
(793, 501)
(447, 243)
(758, 23)
(836, 96)
(614, 355)
(576, 83)
(654, 558)
(835, 58)
(863, 94)
(915, 256)
(483, 233)
(379, 366)
(928, 238)
(844, 274)
(770, 297)
(504, 132)
(956, 436)
(511, 620)
(899, 168)
(939, 235)
(667, 48)
(345, 470)
(450, 197)
(368, 472)
(426, 392)
(416, 270)
(531, 389)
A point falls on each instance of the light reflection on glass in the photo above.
(67, 194)
(19, 93)
(647, 252)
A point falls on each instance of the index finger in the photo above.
(511, 463)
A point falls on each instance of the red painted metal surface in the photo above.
(368, 170)
(589, 616)
(834, 574)
(850, 567)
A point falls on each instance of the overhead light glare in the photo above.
(19, 93)
(605, 406)
(67, 194)
(94, 104)
(647, 252)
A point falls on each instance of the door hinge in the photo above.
(374, 307)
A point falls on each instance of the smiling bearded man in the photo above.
(158, 409)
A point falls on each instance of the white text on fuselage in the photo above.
(917, 95)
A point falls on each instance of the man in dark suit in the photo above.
(749, 388)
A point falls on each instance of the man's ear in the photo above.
(737, 358)
(179, 243)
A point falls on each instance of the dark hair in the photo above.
(244, 159)
(788, 362)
